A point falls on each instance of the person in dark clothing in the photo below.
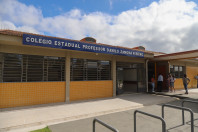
(186, 81)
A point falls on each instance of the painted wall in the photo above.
(83, 90)
(191, 73)
(31, 93)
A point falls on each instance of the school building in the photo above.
(37, 69)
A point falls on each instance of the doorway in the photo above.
(130, 78)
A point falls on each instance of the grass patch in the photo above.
(46, 129)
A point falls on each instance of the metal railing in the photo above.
(181, 108)
(104, 124)
(154, 116)
(191, 101)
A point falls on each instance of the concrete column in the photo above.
(146, 66)
(113, 73)
(156, 77)
(67, 75)
(168, 67)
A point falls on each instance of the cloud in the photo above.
(165, 26)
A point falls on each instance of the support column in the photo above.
(146, 64)
(156, 77)
(113, 71)
(67, 75)
(168, 67)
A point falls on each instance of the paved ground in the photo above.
(123, 121)
(78, 116)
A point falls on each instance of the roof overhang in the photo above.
(193, 54)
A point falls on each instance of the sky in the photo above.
(158, 25)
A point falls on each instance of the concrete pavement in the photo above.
(31, 118)
(124, 121)
(193, 93)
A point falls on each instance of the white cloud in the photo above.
(166, 26)
(18, 13)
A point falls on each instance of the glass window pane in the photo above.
(171, 69)
(176, 68)
(91, 64)
(180, 68)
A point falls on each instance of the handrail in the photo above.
(191, 101)
(104, 124)
(154, 116)
(181, 108)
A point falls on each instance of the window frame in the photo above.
(177, 73)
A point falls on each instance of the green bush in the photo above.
(46, 129)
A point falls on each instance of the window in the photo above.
(35, 68)
(104, 70)
(77, 70)
(92, 70)
(177, 71)
(55, 68)
(84, 69)
(31, 68)
(1, 67)
(12, 68)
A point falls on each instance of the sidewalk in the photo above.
(31, 118)
(193, 93)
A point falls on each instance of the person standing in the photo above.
(172, 81)
(186, 81)
(160, 82)
(196, 77)
(153, 83)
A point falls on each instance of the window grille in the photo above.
(35, 68)
(1, 67)
(55, 68)
(104, 70)
(12, 68)
(31, 68)
(77, 71)
(84, 69)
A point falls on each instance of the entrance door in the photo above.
(127, 80)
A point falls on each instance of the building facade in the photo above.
(37, 69)
(177, 64)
